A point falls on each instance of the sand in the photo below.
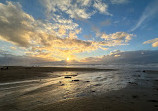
(15, 73)
(141, 95)
(58, 93)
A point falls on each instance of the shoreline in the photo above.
(16, 73)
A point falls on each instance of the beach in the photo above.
(78, 89)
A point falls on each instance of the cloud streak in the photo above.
(119, 1)
(148, 13)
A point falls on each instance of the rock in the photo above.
(93, 91)
(156, 105)
(76, 80)
(136, 75)
(87, 81)
(133, 83)
(153, 100)
(144, 71)
(62, 84)
(97, 84)
(67, 77)
(134, 96)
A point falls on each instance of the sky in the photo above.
(87, 31)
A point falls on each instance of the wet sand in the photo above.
(15, 73)
(128, 99)
(74, 90)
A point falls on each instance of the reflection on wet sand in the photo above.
(64, 85)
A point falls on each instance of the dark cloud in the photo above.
(142, 56)
(136, 57)
(8, 59)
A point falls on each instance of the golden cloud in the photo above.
(154, 42)
(47, 40)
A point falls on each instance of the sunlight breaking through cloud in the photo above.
(45, 39)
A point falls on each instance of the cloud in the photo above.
(106, 22)
(114, 52)
(154, 42)
(79, 9)
(66, 6)
(44, 39)
(135, 57)
(8, 59)
(119, 1)
(15, 25)
(118, 38)
(97, 31)
(23, 30)
(150, 11)
(119, 57)
(101, 7)
(87, 36)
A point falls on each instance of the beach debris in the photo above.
(97, 84)
(4, 68)
(156, 105)
(87, 81)
(132, 102)
(67, 77)
(153, 100)
(133, 83)
(62, 84)
(76, 80)
(134, 96)
(136, 75)
(71, 75)
(151, 71)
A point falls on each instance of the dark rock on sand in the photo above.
(76, 80)
(144, 71)
(136, 75)
(156, 105)
(67, 77)
(134, 96)
(97, 84)
(62, 84)
(133, 83)
(87, 81)
(153, 100)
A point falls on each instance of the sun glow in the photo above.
(68, 59)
